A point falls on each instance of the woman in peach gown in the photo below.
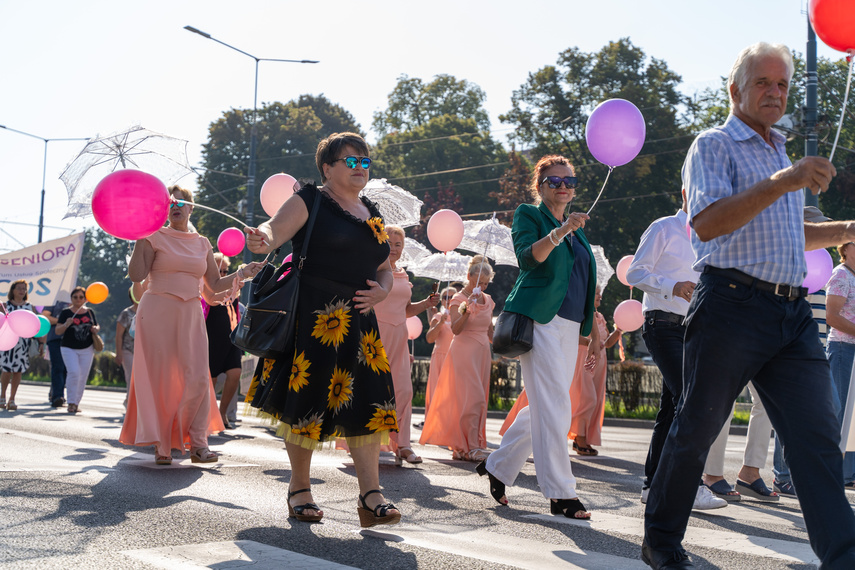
(392, 314)
(439, 334)
(171, 401)
(588, 390)
(458, 413)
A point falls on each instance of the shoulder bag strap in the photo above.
(309, 225)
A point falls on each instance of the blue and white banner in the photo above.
(50, 268)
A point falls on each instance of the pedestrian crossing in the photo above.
(778, 538)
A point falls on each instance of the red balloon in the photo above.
(130, 204)
(834, 23)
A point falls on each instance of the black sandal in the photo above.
(378, 515)
(297, 512)
(497, 488)
(569, 508)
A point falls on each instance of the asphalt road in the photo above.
(73, 497)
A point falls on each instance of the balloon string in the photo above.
(601, 190)
(843, 110)
(220, 212)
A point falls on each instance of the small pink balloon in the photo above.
(2, 319)
(622, 268)
(130, 204)
(275, 191)
(284, 261)
(628, 315)
(445, 230)
(414, 327)
(819, 268)
(8, 338)
(231, 242)
(23, 323)
(615, 132)
(689, 230)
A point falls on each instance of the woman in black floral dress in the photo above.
(338, 383)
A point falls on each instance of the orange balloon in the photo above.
(97, 293)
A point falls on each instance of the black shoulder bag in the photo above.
(267, 326)
(513, 334)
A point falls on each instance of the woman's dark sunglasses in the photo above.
(352, 161)
(176, 204)
(555, 182)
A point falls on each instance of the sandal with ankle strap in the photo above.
(378, 515)
(497, 488)
(298, 511)
(407, 454)
(570, 508)
(203, 455)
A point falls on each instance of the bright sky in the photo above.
(77, 69)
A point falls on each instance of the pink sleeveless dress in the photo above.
(437, 357)
(171, 400)
(392, 322)
(458, 415)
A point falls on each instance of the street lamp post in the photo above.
(250, 179)
(44, 170)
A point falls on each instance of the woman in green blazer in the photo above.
(555, 287)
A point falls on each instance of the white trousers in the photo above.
(756, 445)
(541, 427)
(77, 361)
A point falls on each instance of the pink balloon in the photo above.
(130, 204)
(445, 230)
(8, 339)
(2, 319)
(615, 132)
(628, 315)
(288, 258)
(414, 327)
(819, 268)
(23, 323)
(622, 268)
(275, 191)
(689, 230)
(231, 242)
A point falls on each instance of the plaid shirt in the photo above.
(730, 159)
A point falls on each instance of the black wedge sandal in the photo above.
(297, 512)
(570, 508)
(497, 488)
(378, 515)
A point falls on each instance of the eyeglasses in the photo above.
(78, 296)
(224, 271)
(352, 161)
(177, 204)
(555, 182)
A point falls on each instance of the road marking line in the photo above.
(220, 554)
(703, 537)
(503, 548)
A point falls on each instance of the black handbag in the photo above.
(513, 334)
(267, 326)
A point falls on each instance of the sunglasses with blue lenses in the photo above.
(352, 161)
(176, 204)
(556, 181)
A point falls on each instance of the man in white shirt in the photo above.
(662, 268)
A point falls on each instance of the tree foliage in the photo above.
(287, 137)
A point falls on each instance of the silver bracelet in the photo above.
(554, 240)
(240, 273)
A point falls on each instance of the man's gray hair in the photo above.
(740, 72)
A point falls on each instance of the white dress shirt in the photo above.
(664, 258)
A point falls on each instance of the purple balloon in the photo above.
(819, 268)
(615, 132)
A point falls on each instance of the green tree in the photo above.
(105, 259)
(287, 137)
(436, 134)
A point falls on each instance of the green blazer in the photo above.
(541, 286)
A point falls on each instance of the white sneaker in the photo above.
(705, 500)
(644, 492)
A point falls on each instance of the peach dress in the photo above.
(588, 392)
(171, 401)
(587, 395)
(437, 357)
(392, 321)
(458, 416)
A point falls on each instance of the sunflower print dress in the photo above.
(338, 382)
